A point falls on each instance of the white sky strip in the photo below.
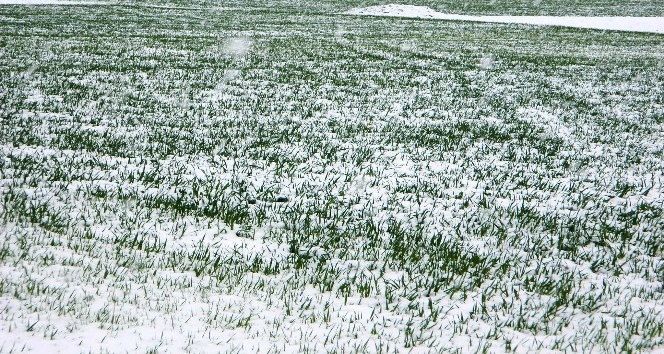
(634, 24)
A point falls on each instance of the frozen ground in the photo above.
(262, 179)
(636, 24)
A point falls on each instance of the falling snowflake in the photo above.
(230, 75)
(406, 47)
(185, 99)
(46, 50)
(340, 32)
(31, 70)
(44, 54)
(237, 47)
(486, 62)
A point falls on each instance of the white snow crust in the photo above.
(633, 24)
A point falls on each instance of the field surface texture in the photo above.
(284, 176)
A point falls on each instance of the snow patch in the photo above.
(633, 24)
(50, 2)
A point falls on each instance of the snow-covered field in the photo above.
(50, 2)
(615, 23)
(255, 178)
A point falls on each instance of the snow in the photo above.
(49, 2)
(486, 62)
(357, 159)
(633, 24)
(237, 47)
